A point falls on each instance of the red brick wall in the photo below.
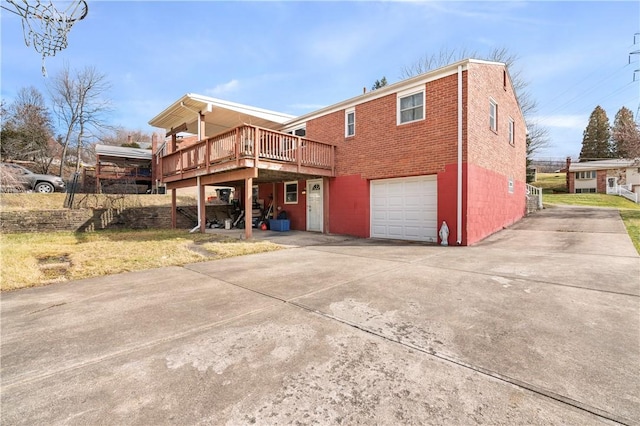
(488, 149)
(447, 202)
(349, 210)
(490, 205)
(296, 213)
(571, 184)
(601, 181)
(382, 149)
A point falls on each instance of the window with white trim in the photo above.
(411, 107)
(586, 175)
(512, 125)
(350, 122)
(291, 192)
(585, 190)
(493, 115)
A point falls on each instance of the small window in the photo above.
(350, 122)
(411, 108)
(493, 115)
(291, 192)
(511, 130)
(586, 175)
(585, 190)
(511, 185)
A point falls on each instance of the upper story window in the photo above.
(493, 115)
(586, 175)
(410, 107)
(512, 125)
(350, 122)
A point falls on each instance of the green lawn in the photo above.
(551, 182)
(629, 211)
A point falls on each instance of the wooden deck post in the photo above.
(202, 214)
(248, 207)
(174, 218)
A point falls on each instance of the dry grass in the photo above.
(38, 259)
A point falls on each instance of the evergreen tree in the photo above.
(626, 135)
(596, 139)
(379, 83)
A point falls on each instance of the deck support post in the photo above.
(174, 217)
(248, 207)
(202, 205)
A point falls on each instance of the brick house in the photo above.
(603, 176)
(445, 146)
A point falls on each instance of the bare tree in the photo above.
(80, 106)
(537, 135)
(27, 129)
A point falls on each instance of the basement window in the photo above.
(291, 192)
(585, 190)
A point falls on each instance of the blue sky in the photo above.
(295, 57)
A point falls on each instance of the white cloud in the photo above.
(224, 88)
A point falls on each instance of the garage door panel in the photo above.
(404, 208)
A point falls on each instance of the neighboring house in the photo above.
(603, 176)
(445, 146)
(128, 170)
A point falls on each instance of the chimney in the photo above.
(129, 139)
(364, 90)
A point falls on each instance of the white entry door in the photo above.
(314, 205)
(405, 208)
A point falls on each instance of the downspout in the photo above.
(459, 189)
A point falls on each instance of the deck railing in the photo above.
(249, 142)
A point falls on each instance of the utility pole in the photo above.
(636, 37)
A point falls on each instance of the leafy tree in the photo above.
(625, 135)
(27, 130)
(596, 139)
(379, 83)
(79, 104)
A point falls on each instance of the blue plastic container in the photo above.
(279, 224)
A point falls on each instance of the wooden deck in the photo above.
(249, 147)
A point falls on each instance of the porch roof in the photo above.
(614, 163)
(219, 115)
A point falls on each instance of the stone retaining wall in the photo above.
(87, 220)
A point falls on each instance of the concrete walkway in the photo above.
(538, 324)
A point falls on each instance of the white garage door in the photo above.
(405, 208)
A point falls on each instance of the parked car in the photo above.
(15, 178)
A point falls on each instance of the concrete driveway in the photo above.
(538, 324)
